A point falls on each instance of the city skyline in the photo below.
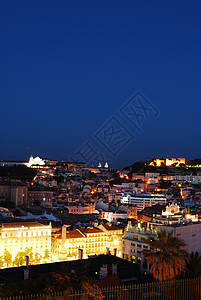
(100, 162)
(68, 68)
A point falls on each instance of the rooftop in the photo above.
(90, 230)
(21, 224)
(88, 267)
(112, 227)
(72, 234)
(182, 224)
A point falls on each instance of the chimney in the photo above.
(80, 253)
(26, 269)
(107, 251)
(114, 269)
(26, 273)
(27, 261)
(115, 251)
(103, 272)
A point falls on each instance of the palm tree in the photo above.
(166, 256)
(193, 269)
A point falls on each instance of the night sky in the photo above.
(68, 67)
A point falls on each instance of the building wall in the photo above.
(142, 202)
(190, 233)
(112, 216)
(114, 237)
(92, 241)
(15, 194)
(132, 212)
(133, 243)
(16, 237)
(41, 196)
(71, 247)
(80, 209)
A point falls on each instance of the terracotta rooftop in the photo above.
(112, 227)
(90, 230)
(72, 234)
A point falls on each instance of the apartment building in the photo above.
(143, 200)
(16, 237)
(134, 242)
(189, 232)
(39, 195)
(92, 241)
(13, 192)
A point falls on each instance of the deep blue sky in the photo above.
(66, 67)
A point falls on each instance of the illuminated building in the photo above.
(168, 162)
(142, 200)
(114, 235)
(96, 240)
(65, 244)
(16, 237)
(171, 209)
(37, 162)
(134, 242)
(90, 240)
(80, 208)
(111, 216)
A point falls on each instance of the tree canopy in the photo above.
(54, 282)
